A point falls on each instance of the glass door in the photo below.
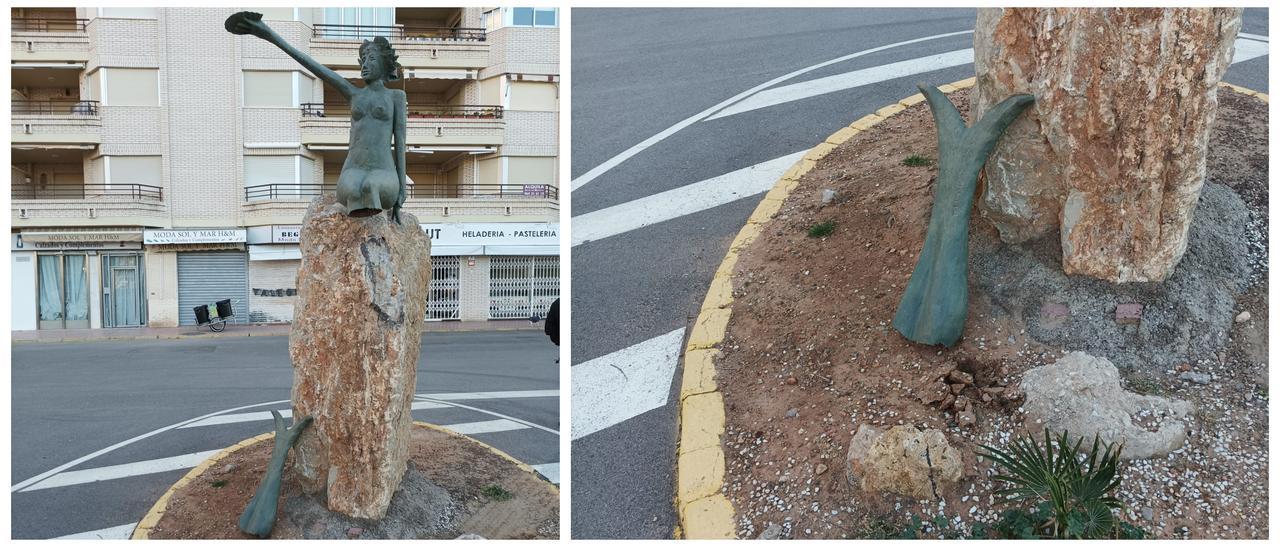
(63, 291)
(123, 304)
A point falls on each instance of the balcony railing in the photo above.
(397, 32)
(46, 24)
(87, 191)
(321, 110)
(56, 107)
(306, 191)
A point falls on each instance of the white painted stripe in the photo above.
(77, 477)
(460, 396)
(484, 427)
(110, 533)
(618, 386)
(1248, 49)
(1257, 37)
(678, 202)
(848, 80)
(510, 418)
(286, 413)
(627, 154)
(129, 441)
(550, 471)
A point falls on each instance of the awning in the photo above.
(521, 250)
(411, 72)
(87, 236)
(422, 150)
(444, 250)
(52, 146)
(274, 253)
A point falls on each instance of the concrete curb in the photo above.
(143, 530)
(705, 512)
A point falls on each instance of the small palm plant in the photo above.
(1071, 498)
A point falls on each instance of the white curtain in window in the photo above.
(50, 288)
(77, 289)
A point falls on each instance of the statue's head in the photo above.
(378, 61)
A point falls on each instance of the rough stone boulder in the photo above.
(1112, 154)
(357, 328)
(903, 460)
(1082, 395)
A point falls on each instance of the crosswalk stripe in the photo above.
(485, 427)
(682, 201)
(550, 471)
(1247, 49)
(109, 533)
(286, 413)
(154, 466)
(848, 80)
(512, 394)
(618, 386)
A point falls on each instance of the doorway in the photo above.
(123, 303)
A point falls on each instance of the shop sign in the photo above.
(493, 233)
(290, 234)
(55, 241)
(195, 236)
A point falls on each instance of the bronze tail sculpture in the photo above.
(933, 307)
(259, 516)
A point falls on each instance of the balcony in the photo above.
(428, 125)
(417, 46)
(58, 123)
(57, 39)
(87, 204)
(285, 203)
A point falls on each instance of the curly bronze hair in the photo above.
(381, 47)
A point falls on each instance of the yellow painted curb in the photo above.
(1246, 91)
(705, 512)
(143, 530)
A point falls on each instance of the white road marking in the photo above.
(501, 416)
(550, 471)
(1257, 37)
(118, 471)
(849, 80)
(627, 154)
(129, 441)
(485, 427)
(618, 386)
(460, 396)
(285, 413)
(1247, 49)
(110, 533)
(682, 201)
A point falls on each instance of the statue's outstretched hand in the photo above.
(247, 22)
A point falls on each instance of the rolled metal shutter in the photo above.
(205, 278)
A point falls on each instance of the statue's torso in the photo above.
(370, 140)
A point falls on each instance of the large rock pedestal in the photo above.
(1113, 151)
(357, 326)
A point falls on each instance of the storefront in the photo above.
(479, 271)
(209, 265)
(77, 279)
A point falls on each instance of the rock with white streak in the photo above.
(354, 343)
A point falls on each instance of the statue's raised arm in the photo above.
(248, 22)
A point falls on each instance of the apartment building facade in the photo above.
(160, 162)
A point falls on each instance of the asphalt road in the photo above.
(73, 399)
(638, 72)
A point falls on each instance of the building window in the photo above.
(279, 178)
(131, 87)
(522, 17)
(128, 13)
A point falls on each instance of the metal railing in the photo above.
(87, 191)
(397, 32)
(321, 110)
(307, 191)
(58, 107)
(48, 24)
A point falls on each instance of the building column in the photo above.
(473, 293)
(94, 279)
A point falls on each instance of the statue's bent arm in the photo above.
(398, 131)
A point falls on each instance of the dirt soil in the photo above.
(810, 353)
(442, 496)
